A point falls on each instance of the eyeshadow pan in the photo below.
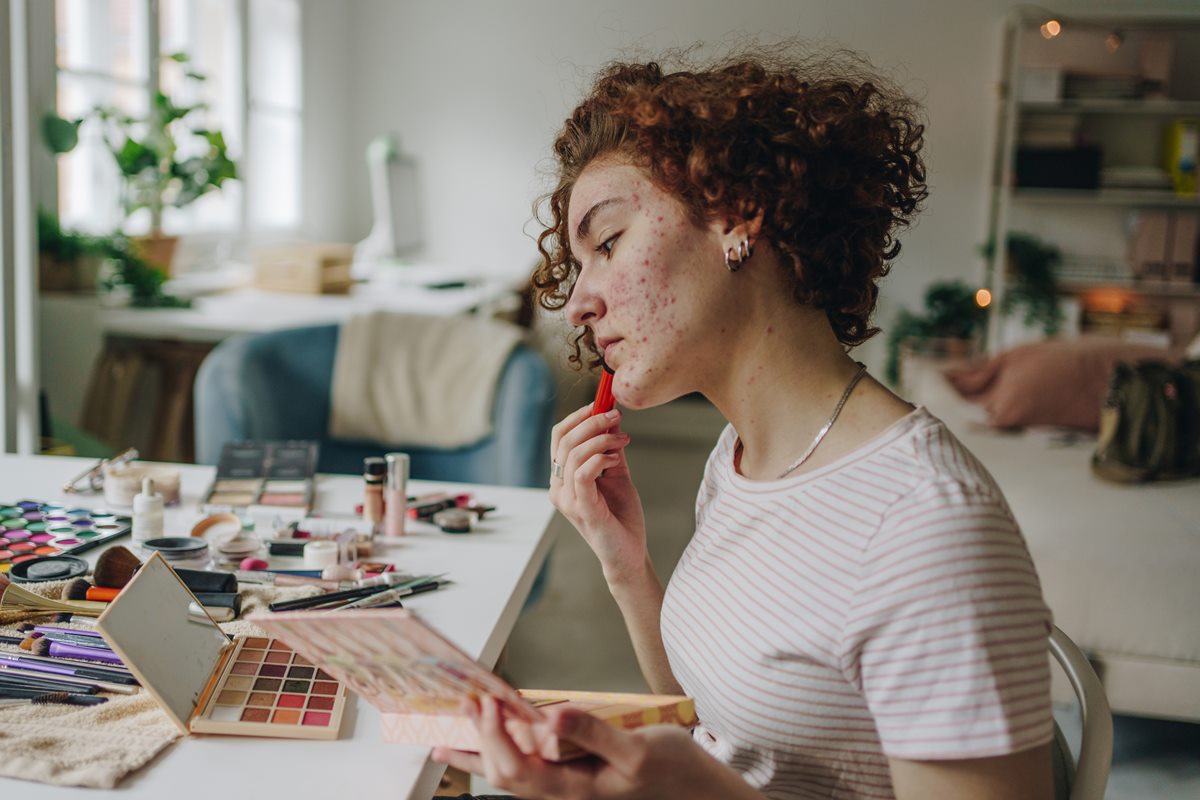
(270, 685)
(285, 716)
(256, 715)
(301, 672)
(324, 687)
(321, 703)
(251, 656)
(301, 661)
(245, 669)
(278, 645)
(278, 499)
(231, 499)
(296, 686)
(322, 675)
(290, 700)
(266, 699)
(237, 683)
(272, 670)
(316, 718)
(277, 657)
(231, 698)
(256, 643)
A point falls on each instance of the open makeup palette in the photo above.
(274, 477)
(30, 529)
(208, 682)
(419, 680)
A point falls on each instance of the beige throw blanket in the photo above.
(426, 381)
(97, 746)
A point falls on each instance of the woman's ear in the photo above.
(736, 231)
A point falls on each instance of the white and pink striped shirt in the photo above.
(883, 606)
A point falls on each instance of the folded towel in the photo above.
(424, 381)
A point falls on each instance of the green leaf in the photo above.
(196, 76)
(61, 135)
(178, 57)
(134, 157)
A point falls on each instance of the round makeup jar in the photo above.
(180, 551)
(48, 568)
(455, 520)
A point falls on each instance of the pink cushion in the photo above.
(1059, 382)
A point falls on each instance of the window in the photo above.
(108, 53)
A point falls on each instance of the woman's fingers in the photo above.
(582, 432)
(579, 486)
(619, 748)
(467, 762)
(503, 762)
(566, 424)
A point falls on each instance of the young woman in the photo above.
(857, 615)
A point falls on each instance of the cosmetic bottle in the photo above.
(147, 513)
(395, 497)
(374, 470)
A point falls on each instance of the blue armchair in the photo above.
(276, 386)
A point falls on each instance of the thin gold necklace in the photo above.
(862, 370)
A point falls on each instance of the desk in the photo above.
(492, 569)
(147, 358)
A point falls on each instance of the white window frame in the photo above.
(244, 229)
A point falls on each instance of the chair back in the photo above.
(276, 385)
(1089, 776)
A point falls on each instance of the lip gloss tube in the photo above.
(395, 496)
(604, 396)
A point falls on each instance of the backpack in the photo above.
(1150, 423)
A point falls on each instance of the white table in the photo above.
(492, 570)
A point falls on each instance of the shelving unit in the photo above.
(1092, 226)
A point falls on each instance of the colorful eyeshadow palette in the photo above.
(272, 476)
(30, 529)
(209, 683)
(419, 680)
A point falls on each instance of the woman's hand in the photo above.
(596, 493)
(653, 762)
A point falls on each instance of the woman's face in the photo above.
(650, 284)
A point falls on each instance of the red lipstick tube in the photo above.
(604, 396)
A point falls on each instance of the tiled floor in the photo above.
(574, 637)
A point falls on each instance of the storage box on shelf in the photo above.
(1097, 155)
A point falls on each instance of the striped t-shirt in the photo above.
(882, 606)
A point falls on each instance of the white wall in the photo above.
(477, 90)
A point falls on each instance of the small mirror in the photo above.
(173, 653)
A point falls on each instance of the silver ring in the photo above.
(557, 469)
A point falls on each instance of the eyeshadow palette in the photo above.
(419, 680)
(211, 683)
(271, 476)
(30, 529)
(280, 693)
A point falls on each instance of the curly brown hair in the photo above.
(829, 152)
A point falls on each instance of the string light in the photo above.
(1051, 28)
(1113, 41)
(983, 298)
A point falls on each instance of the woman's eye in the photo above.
(606, 247)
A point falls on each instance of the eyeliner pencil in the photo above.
(329, 597)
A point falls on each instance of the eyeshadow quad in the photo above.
(30, 529)
(208, 682)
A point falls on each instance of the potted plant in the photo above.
(1032, 285)
(71, 261)
(949, 328)
(164, 159)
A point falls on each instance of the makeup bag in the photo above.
(1150, 423)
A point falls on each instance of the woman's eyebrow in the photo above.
(585, 224)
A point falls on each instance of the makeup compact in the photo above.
(419, 680)
(30, 529)
(208, 682)
(274, 478)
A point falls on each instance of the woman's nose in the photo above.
(585, 305)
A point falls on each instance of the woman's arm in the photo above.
(640, 598)
(1021, 776)
(593, 489)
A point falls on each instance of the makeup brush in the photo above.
(57, 666)
(30, 671)
(94, 642)
(25, 627)
(14, 597)
(46, 683)
(46, 698)
(604, 396)
(76, 589)
(48, 647)
(115, 568)
(80, 589)
(76, 619)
